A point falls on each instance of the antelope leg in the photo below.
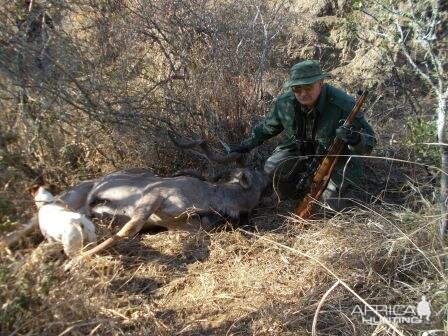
(149, 205)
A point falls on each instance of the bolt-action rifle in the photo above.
(326, 168)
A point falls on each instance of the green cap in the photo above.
(306, 72)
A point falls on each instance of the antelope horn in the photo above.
(209, 153)
(184, 143)
(224, 144)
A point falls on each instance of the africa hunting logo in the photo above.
(395, 313)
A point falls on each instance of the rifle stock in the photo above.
(326, 168)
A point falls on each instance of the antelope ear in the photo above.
(245, 180)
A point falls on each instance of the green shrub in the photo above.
(6, 207)
(421, 132)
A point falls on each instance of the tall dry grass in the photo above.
(269, 281)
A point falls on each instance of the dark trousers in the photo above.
(287, 167)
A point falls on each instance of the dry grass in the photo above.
(275, 280)
(263, 282)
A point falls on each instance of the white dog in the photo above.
(57, 223)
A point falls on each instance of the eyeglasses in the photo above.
(306, 87)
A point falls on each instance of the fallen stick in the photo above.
(15, 236)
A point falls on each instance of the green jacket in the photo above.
(333, 106)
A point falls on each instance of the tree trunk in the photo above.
(443, 140)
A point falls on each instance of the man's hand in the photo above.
(348, 135)
(242, 149)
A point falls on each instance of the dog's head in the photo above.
(40, 194)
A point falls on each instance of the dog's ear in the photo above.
(33, 189)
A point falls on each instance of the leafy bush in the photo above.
(421, 132)
(6, 209)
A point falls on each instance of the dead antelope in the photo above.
(139, 199)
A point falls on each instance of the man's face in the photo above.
(308, 94)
